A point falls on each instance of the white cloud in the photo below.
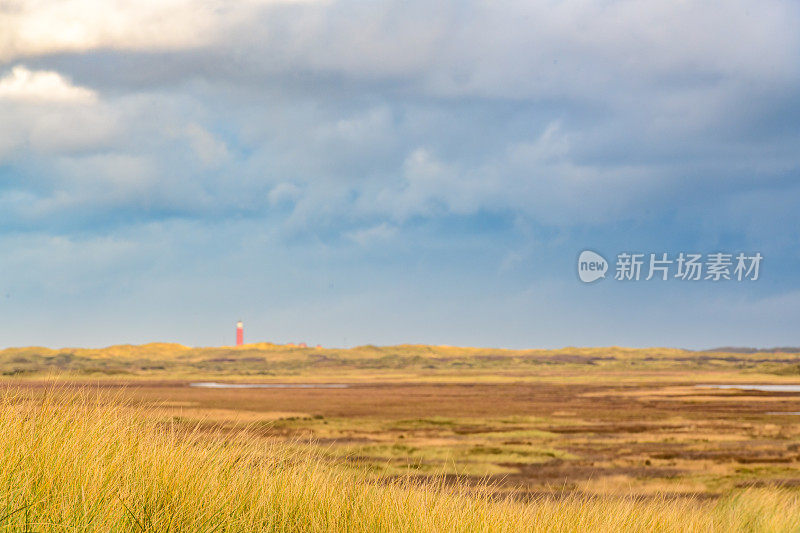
(359, 129)
(284, 193)
(69, 130)
(367, 236)
(208, 149)
(22, 84)
(540, 178)
(122, 170)
(30, 28)
(45, 114)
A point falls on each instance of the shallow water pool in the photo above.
(215, 385)
(764, 388)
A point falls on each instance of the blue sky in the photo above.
(349, 172)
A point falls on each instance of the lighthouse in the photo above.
(239, 333)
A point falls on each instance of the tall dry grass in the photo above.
(69, 462)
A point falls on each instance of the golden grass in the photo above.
(168, 351)
(266, 361)
(69, 462)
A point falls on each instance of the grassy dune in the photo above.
(368, 362)
(69, 462)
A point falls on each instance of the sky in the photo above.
(356, 172)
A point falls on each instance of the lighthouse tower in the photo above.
(239, 333)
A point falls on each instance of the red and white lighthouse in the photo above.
(239, 333)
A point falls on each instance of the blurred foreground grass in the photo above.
(76, 461)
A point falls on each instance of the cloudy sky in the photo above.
(352, 172)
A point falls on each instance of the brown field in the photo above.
(598, 424)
